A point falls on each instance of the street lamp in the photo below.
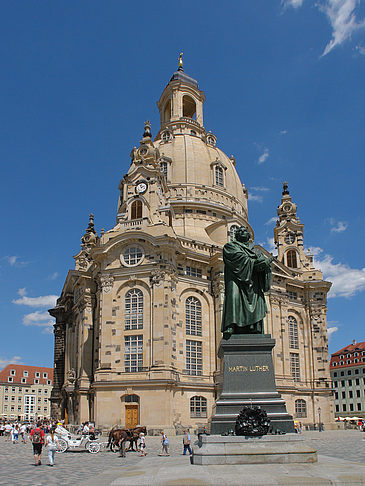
(319, 419)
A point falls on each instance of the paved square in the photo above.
(341, 461)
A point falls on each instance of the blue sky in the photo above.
(284, 85)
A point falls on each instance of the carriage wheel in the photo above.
(63, 445)
(114, 447)
(93, 447)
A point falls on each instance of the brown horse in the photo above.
(132, 434)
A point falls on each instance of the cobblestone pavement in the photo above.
(16, 464)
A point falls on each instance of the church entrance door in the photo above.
(131, 416)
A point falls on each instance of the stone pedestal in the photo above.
(249, 380)
(269, 449)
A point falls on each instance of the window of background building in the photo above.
(356, 372)
(350, 394)
(358, 393)
(343, 394)
(292, 295)
(351, 407)
(295, 366)
(133, 353)
(12, 372)
(342, 382)
(350, 382)
(133, 309)
(193, 316)
(357, 381)
(349, 372)
(300, 408)
(359, 406)
(198, 407)
(335, 384)
(293, 333)
(344, 407)
(337, 408)
(194, 359)
(232, 232)
(335, 374)
(336, 395)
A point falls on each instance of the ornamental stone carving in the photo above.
(157, 277)
(106, 282)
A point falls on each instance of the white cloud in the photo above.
(260, 188)
(292, 3)
(255, 197)
(314, 250)
(342, 17)
(41, 301)
(360, 49)
(283, 132)
(14, 360)
(272, 220)
(338, 226)
(53, 276)
(346, 281)
(39, 319)
(271, 246)
(22, 291)
(331, 330)
(14, 261)
(264, 156)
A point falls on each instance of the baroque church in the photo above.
(138, 322)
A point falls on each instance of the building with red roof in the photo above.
(25, 392)
(347, 369)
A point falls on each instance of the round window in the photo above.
(131, 256)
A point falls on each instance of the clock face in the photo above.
(287, 207)
(141, 187)
(289, 238)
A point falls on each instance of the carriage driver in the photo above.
(122, 443)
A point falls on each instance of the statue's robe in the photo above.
(247, 275)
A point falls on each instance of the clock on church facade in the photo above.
(138, 321)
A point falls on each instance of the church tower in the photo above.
(138, 321)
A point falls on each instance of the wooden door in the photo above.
(131, 416)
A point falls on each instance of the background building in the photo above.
(25, 392)
(348, 377)
(138, 321)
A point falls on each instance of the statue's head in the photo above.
(242, 234)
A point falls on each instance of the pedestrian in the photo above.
(2, 429)
(37, 438)
(186, 442)
(23, 433)
(122, 443)
(52, 444)
(142, 444)
(7, 431)
(164, 444)
(16, 434)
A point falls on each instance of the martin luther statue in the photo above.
(247, 275)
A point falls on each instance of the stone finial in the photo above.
(147, 129)
(91, 227)
(285, 189)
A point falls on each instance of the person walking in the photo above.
(164, 444)
(37, 438)
(122, 443)
(7, 431)
(142, 444)
(52, 444)
(16, 434)
(186, 442)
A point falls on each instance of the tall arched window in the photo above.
(300, 408)
(198, 407)
(218, 176)
(133, 309)
(189, 107)
(136, 209)
(293, 333)
(291, 259)
(193, 316)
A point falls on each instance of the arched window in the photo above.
(163, 168)
(167, 111)
(136, 209)
(232, 232)
(293, 333)
(291, 259)
(133, 309)
(198, 407)
(218, 176)
(300, 408)
(189, 107)
(193, 316)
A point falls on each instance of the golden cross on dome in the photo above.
(181, 61)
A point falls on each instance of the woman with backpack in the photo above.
(52, 444)
(37, 438)
(164, 444)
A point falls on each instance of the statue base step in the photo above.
(268, 449)
(249, 380)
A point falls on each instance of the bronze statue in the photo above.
(247, 275)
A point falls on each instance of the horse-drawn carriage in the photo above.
(132, 435)
(84, 442)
